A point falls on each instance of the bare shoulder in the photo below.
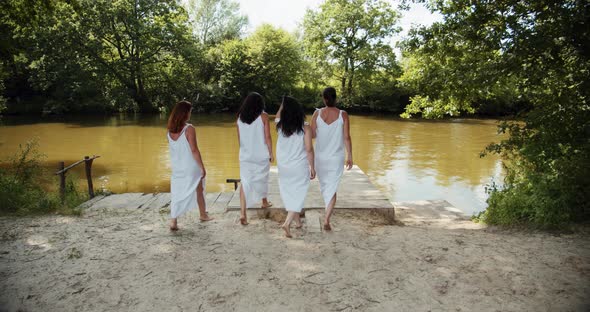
(344, 114)
(264, 116)
(306, 127)
(190, 129)
(316, 113)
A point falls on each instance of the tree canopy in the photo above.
(533, 57)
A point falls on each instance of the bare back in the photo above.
(329, 114)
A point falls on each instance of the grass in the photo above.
(22, 191)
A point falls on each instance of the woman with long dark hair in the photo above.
(331, 128)
(255, 154)
(295, 159)
(187, 183)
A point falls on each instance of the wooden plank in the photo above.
(210, 198)
(313, 221)
(354, 192)
(118, 201)
(90, 202)
(161, 200)
(220, 204)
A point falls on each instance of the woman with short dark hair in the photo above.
(295, 159)
(187, 182)
(255, 154)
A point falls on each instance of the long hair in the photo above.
(178, 116)
(292, 117)
(252, 107)
(329, 94)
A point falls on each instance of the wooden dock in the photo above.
(356, 192)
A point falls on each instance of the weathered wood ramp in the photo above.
(356, 192)
(216, 202)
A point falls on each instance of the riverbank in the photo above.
(127, 260)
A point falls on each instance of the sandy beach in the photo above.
(128, 260)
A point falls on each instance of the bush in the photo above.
(21, 186)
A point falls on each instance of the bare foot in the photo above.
(205, 218)
(268, 205)
(327, 227)
(173, 228)
(298, 225)
(287, 231)
(243, 221)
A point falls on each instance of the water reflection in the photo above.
(409, 160)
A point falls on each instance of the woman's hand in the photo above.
(311, 173)
(271, 158)
(349, 163)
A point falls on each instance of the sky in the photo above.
(288, 14)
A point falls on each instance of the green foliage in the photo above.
(514, 52)
(122, 55)
(268, 62)
(348, 41)
(113, 55)
(214, 21)
(21, 190)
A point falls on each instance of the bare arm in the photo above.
(309, 150)
(347, 140)
(192, 140)
(314, 125)
(267, 137)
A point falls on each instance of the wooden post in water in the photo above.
(88, 165)
(62, 181)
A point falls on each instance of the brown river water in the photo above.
(406, 159)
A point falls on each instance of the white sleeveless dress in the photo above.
(186, 175)
(293, 170)
(329, 155)
(254, 161)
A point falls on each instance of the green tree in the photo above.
(124, 54)
(216, 20)
(129, 39)
(268, 62)
(531, 51)
(349, 39)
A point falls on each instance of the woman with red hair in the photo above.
(187, 183)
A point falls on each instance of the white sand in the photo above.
(127, 260)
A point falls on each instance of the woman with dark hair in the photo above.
(331, 128)
(255, 153)
(187, 183)
(295, 159)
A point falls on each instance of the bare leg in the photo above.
(286, 226)
(173, 225)
(243, 215)
(298, 223)
(329, 211)
(203, 216)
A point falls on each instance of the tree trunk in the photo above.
(344, 78)
(349, 90)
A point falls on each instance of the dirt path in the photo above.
(127, 260)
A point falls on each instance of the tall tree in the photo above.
(350, 37)
(216, 20)
(520, 50)
(268, 62)
(128, 39)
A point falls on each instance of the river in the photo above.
(406, 159)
